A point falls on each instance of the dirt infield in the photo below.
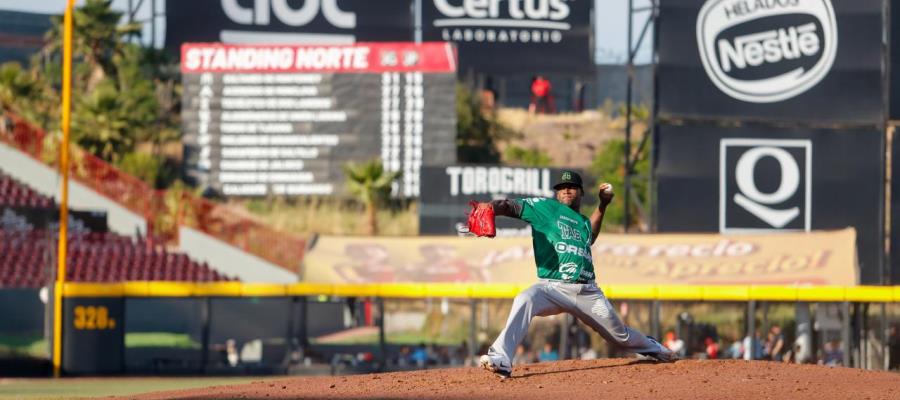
(611, 378)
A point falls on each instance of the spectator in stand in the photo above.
(712, 349)
(548, 354)
(541, 96)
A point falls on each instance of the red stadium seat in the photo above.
(26, 257)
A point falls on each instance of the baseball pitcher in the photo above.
(562, 240)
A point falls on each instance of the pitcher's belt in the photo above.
(579, 282)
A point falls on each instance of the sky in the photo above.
(610, 33)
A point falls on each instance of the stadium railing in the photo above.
(730, 293)
(164, 210)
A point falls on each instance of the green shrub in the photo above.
(532, 157)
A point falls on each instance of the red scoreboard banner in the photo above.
(356, 58)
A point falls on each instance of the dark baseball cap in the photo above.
(567, 177)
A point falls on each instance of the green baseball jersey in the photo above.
(562, 240)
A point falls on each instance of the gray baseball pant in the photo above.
(585, 301)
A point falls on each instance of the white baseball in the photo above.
(608, 189)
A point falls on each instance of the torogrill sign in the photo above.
(525, 36)
(771, 59)
(755, 180)
(447, 190)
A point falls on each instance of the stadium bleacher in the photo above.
(15, 194)
(27, 255)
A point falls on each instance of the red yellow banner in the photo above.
(815, 258)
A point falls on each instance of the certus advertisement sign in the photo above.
(769, 180)
(447, 190)
(508, 36)
(771, 59)
(289, 22)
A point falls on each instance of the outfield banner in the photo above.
(447, 190)
(788, 60)
(308, 22)
(527, 37)
(815, 258)
(744, 179)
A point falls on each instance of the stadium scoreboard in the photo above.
(285, 120)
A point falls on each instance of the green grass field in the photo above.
(67, 388)
(160, 339)
(28, 346)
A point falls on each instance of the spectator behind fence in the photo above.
(894, 347)
(833, 356)
(587, 353)
(775, 343)
(521, 356)
(753, 349)
(548, 354)
(541, 96)
(736, 350)
(675, 344)
(420, 356)
(712, 348)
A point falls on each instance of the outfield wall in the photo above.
(185, 328)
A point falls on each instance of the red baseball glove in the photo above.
(481, 220)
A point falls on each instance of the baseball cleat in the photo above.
(498, 370)
(663, 355)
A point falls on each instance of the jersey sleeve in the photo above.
(507, 208)
(536, 211)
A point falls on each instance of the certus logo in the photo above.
(511, 21)
(765, 184)
(262, 12)
(765, 51)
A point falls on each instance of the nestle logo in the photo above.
(770, 51)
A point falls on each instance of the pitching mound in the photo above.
(573, 379)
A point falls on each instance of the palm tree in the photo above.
(21, 92)
(97, 39)
(371, 185)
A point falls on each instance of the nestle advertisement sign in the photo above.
(527, 36)
(447, 190)
(780, 59)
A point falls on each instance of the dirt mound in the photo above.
(611, 378)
